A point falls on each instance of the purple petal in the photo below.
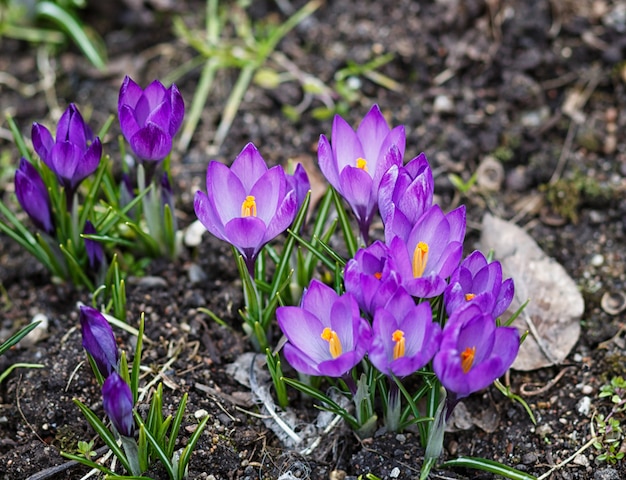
(284, 216)
(249, 166)
(327, 162)
(178, 109)
(42, 140)
(207, 215)
(372, 132)
(304, 330)
(151, 143)
(98, 340)
(129, 95)
(246, 233)
(346, 146)
(117, 401)
(128, 122)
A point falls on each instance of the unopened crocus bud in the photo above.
(150, 118)
(33, 196)
(95, 252)
(76, 152)
(117, 401)
(98, 340)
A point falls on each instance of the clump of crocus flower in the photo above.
(399, 307)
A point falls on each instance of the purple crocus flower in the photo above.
(405, 193)
(150, 118)
(98, 340)
(95, 252)
(326, 334)
(117, 401)
(299, 183)
(405, 338)
(33, 196)
(473, 352)
(371, 276)
(74, 155)
(356, 161)
(431, 252)
(246, 205)
(480, 282)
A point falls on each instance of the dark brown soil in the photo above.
(537, 84)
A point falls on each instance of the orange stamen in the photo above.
(248, 207)
(398, 348)
(469, 296)
(334, 344)
(467, 358)
(378, 275)
(420, 259)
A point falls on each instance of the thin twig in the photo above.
(568, 459)
(546, 387)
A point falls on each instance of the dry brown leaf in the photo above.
(553, 314)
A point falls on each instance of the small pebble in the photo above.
(597, 260)
(443, 104)
(395, 473)
(606, 474)
(584, 406)
(193, 234)
(529, 458)
(200, 414)
(587, 390)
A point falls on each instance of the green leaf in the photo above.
(16, 337)
(487, 466)
(104, 433)
(158, 450)
(178, 419)
(191, 444)
(89, 463)
(342, 214)
(328, 403)
(57, 15)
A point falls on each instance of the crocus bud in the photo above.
(117, 401)
(95, 252)
(98, 340)
(76, 152)
(33, 196)
(150, 118)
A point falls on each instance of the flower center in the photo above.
(334, 344)
(467, 358)
(420, 258)
(469, 296)
(361, 163)
(398, 348)
(248, 207)
(378, 275)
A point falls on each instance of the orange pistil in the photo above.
(467, 358)
(420, 259)
(378, 275)
(361, 163)
(334, 344)
(398, 348)
(248, 207)
(469, 296)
